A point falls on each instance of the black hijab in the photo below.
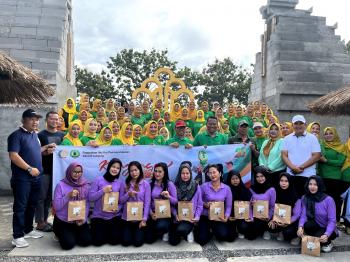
(185, 190)
(240, 192)
(286, 196)
(310, 199)
(257, 187)
(108, 175)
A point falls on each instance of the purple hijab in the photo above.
(80, 184)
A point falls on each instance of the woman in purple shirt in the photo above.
(214, 191)
(239, 193)
(187, 190)
(262, 190)
(106, 226)
(161, 188)
(136, 190)
(318, 215)
(286, 195)
(73, 187)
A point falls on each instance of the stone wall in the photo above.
(304, 60)
(38, 34)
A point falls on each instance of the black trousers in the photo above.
(242, 227)
(346, 222)
(289, 232)
(256, 229)
(132, 234)
(207, 228)
(106, 231)
(335, 188)
(157, 228)
(311, 228)
(70, 234)
(179, 230)
(299, 184)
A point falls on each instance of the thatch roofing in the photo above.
(19, 85)
(335, 103)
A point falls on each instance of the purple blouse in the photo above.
(222, 195)
(197, 203)
(270, 196)
(157, 189)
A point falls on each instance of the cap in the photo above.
(30, 113)
(257, 124)
(242, 122)
(180, 123)
(298, 118)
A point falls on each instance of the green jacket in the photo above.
(331, 168)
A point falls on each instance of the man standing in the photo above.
(242, 134)
(211, 137)
(179, 139)
(25, 154)
(49, 137)
(300, 152)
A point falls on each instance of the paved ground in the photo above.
(241, 250)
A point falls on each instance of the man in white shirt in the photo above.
(300, 152)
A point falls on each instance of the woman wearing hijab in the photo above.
(231, 110)
(156, 115)
(146, 111)
(239, 193)
(90, 134)
(72, 188)
(225, 127)
(112, 116)
(126, 134)
(161, 188)
(151, 136)
(205, 109)
(105, 138)
(192, 112)
(262, 190)
(220, 114)
(115, 127)
(159, 106)
(161, 123)
(68, 111)
(83, 98)
(286, 128)
(137, 133)
(318, 215)
(60, 125)
(185, 117)
(170, 125)
(175, 112)
(96, 104)
(81, 118)
(187, 190)
(330, 166)
(106, 226)
(199, 123)
(314, 128)
(72, 137)
(286, 195)
(136, 190)
(271, 155)
(137, 118)
(164, 132)
(101, 116)
(212, 191)
(121, 115)
(109, 106)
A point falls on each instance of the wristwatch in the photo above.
(29, 169)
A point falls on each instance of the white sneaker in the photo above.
(280, 236)
(165, 237)
(295, 241)
(19, 242)
(267, 235)
(33, 234)
(240, 236)
(190, 237)
(328, 248)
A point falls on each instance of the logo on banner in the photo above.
(63, 153)
(74, 153)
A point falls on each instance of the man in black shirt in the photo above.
(51, 137)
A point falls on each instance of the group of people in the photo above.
(292, 163)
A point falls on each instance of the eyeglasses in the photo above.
(77, 172)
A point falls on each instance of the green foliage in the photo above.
(221, 81)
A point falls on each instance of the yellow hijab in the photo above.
(336, 144)
(270, 144)
(68, 110)
(200, 119)
(84, 106)
(308, 129)
(109, 107)
(82, 98)
(103, 119)
(63, 127)
(87, 131)
(101, 141)
(175, 115)
(183, 117)
(148, 131)
(289, 125)
(110, 125)
(94, 105)
(192, 113)
(227, 129)
(74, 140)
(134, 128)
(123, 138)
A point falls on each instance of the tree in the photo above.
(96, 85)
(225, 82)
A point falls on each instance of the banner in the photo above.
(95, 160)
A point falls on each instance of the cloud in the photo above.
(194, 32)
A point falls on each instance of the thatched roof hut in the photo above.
(335, 103)
(19, 85)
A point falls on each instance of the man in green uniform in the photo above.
(211, 137)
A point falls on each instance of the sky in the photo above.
(195, 32)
